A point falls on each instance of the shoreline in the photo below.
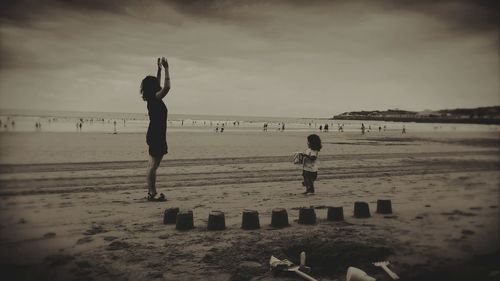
(73, 147)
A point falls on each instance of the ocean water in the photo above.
(110, 122)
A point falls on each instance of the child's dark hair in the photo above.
(149, 87)
(314, 142)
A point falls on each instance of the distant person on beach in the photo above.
(363, 128)
(404, 130)
(310, 165)
(156, 137)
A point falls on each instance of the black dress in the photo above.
(156, 137)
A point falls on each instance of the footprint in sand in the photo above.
(109, 238)
(467, 232)
(49, 235)
(155, 274)
(456, 214)
(84, 240)
(95, 229)
(117, 245)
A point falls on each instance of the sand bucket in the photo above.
(216, 221)
(184, 220)
(298, 158)
(170, 215)
(250, 220)
(279, 218)
(335, 214)
(307, 215)
(384, 206)
(361, 210)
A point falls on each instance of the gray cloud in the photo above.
(462, 14)
(250, 57)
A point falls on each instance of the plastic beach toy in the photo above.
(356, 274)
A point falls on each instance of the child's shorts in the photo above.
(311, 175)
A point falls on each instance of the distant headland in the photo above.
(479, 115)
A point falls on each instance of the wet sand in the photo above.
(70, 214)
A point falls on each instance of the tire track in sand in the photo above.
(114, 180)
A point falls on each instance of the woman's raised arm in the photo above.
(166, 86)
(158, 73)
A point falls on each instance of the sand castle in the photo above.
(279, 217)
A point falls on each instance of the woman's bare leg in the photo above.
(154, 163)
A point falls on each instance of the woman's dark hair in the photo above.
(314, 142)
(149, 87)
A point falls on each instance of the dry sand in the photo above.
(72, 206)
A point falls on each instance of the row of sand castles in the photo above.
(183, 220)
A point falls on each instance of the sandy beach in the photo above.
(73, 208)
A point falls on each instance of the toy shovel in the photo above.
(384, 264)
(286, 265)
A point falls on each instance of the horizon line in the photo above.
(237, 115)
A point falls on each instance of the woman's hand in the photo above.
(164, 62)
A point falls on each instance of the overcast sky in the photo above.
(263, 58)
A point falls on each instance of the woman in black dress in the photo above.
(156, 137)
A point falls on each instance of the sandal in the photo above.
(161, 198)
(152, 197)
